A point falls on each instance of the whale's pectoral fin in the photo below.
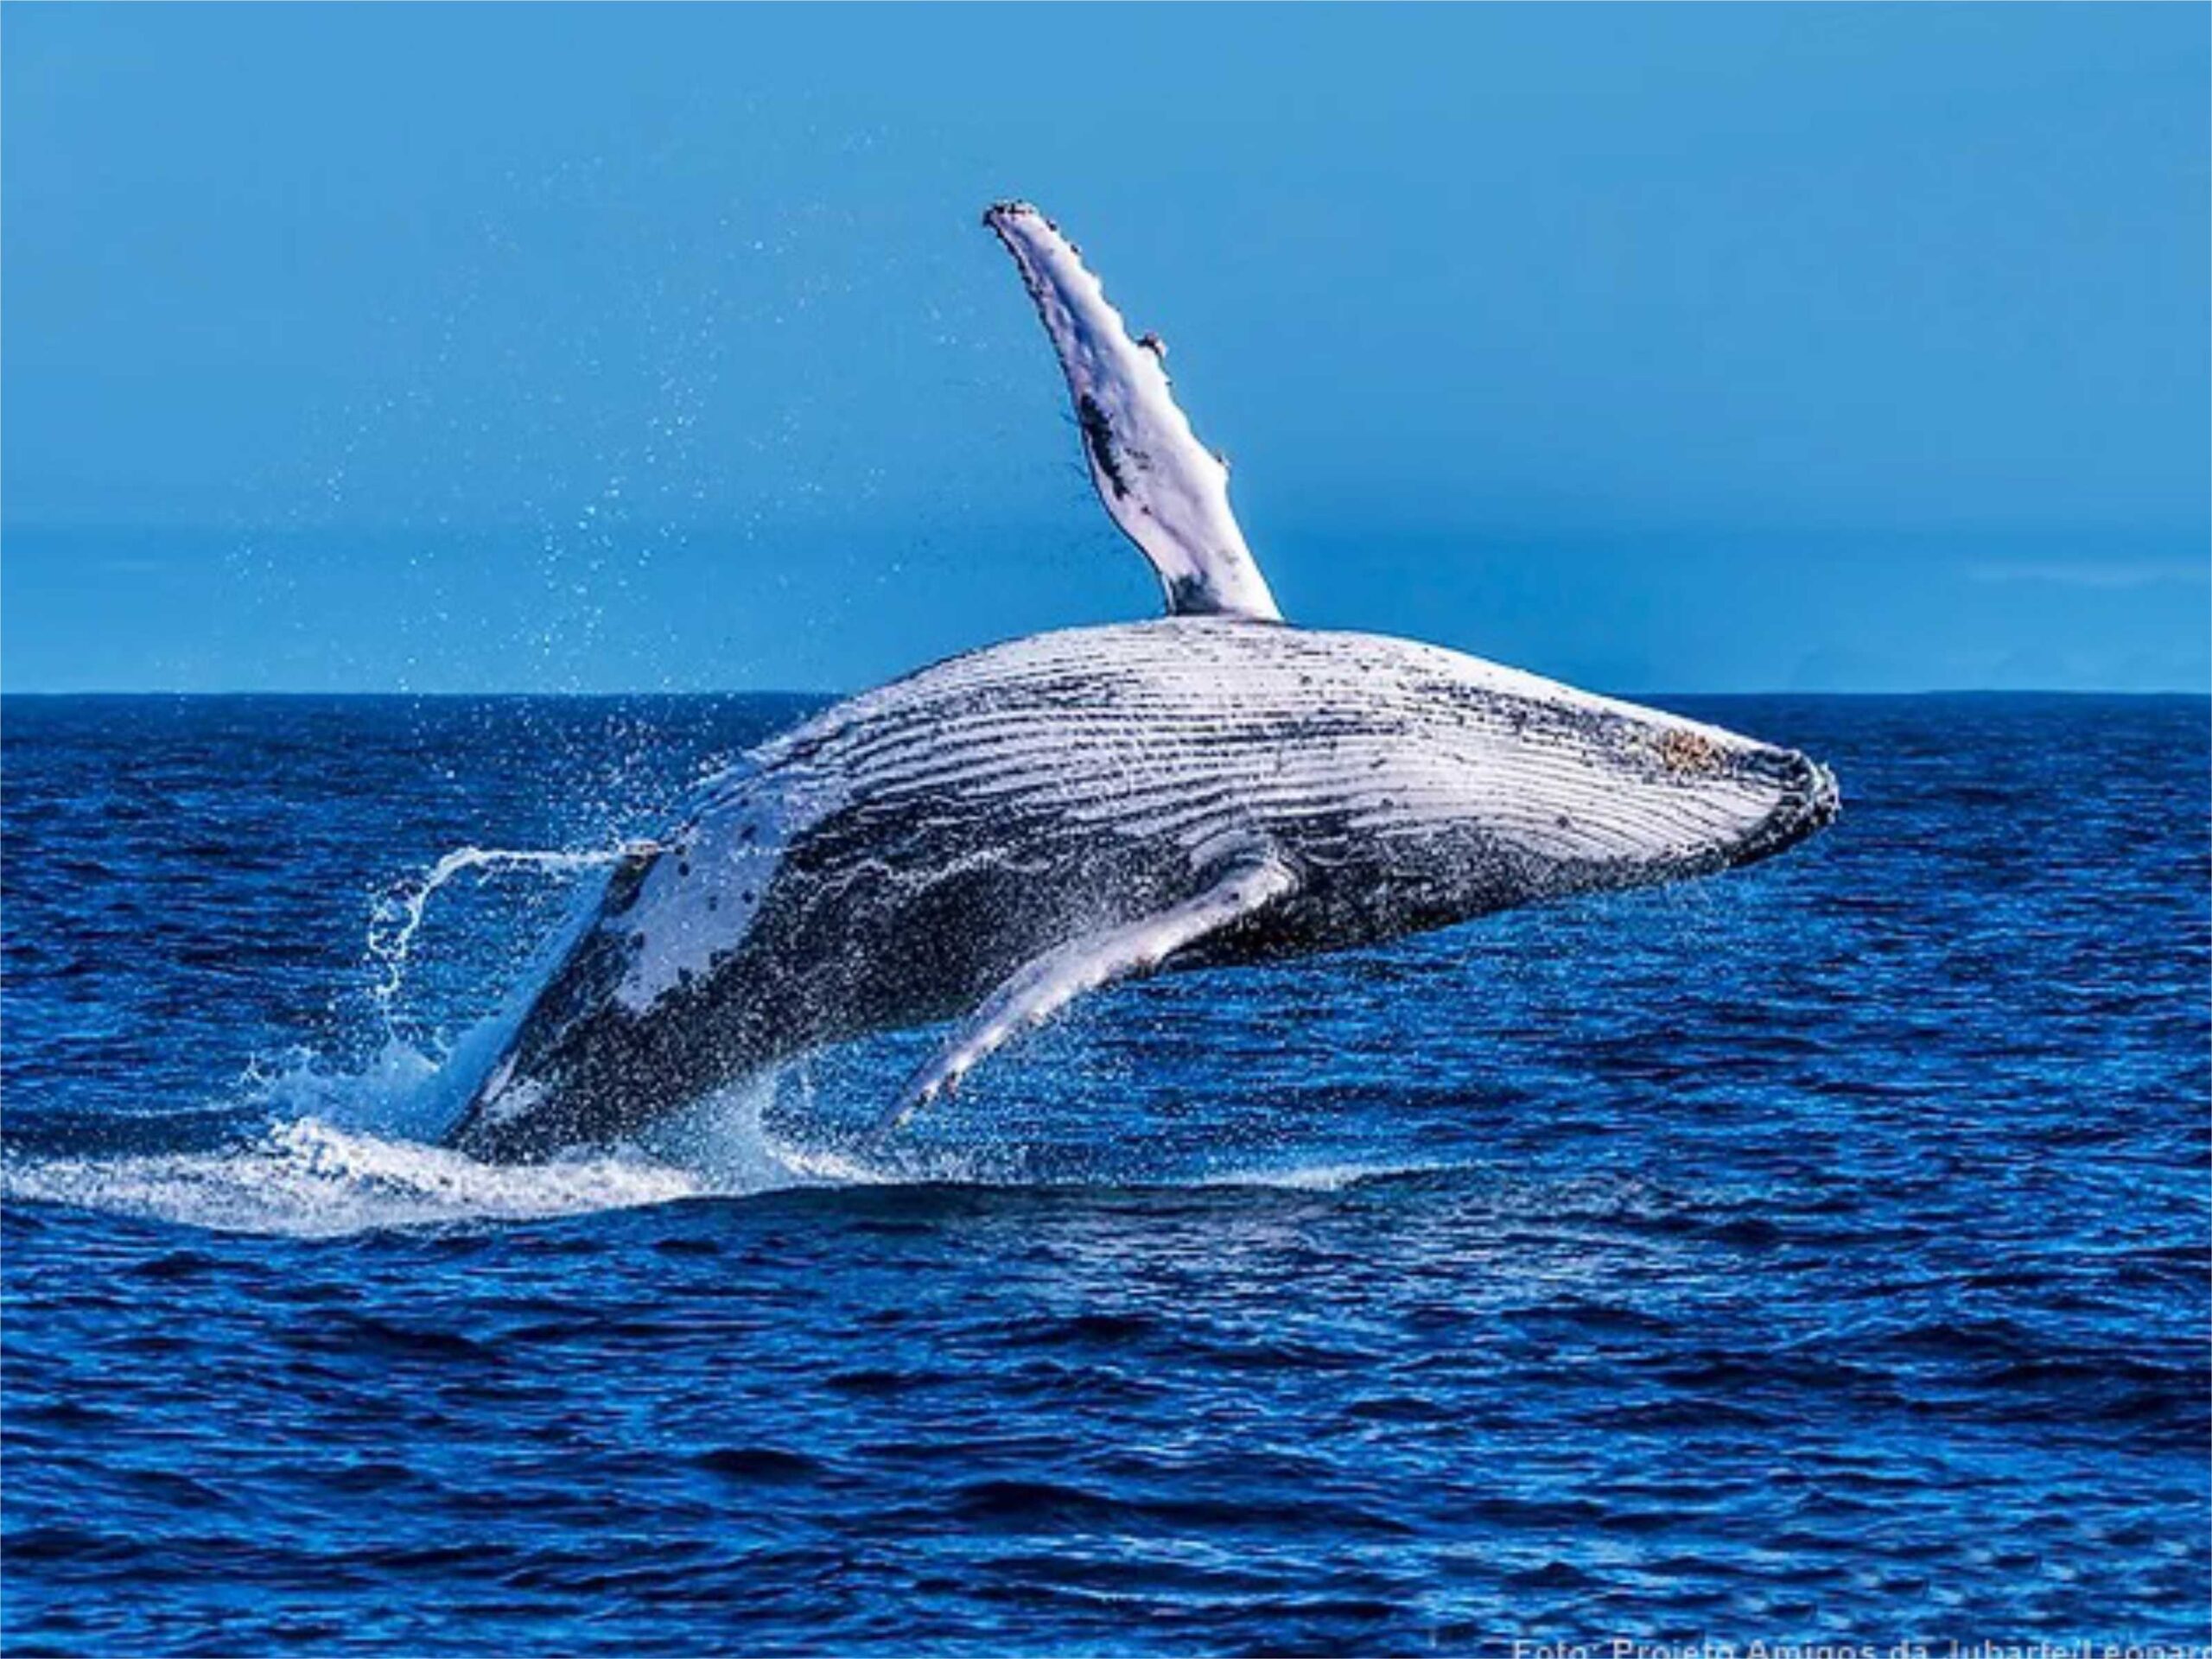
(1167, 491)
(1039, 988)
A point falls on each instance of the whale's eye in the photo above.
(1687, 752)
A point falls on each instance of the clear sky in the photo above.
(579, 348)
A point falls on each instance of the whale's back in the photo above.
(1194, 728)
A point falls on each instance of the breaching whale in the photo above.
(989, 838)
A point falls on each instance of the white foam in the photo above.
(347, 1163)
(1320, 1178)
(309, 1178)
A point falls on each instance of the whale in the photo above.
(989, 839)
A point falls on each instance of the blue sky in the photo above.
(578, 348)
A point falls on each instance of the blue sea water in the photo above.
(1817, 1253)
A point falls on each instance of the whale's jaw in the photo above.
(1811, 801)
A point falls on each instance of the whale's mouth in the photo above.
(1810, 801)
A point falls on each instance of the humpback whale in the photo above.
(991, 837)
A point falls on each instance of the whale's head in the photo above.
(1487, 787)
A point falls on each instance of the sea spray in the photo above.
(398, 915)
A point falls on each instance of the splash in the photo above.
(399, 911)
(342, 1156)
(324, 1149)
(310, 1179)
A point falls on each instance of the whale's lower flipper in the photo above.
(1167, 491)
(1040, 988)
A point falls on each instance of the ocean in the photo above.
(1815, 1254)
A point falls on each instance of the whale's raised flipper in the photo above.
(1167, 491)
(1039, 988)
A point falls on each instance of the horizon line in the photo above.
(1631, 695)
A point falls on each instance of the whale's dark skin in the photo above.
(993, 836)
